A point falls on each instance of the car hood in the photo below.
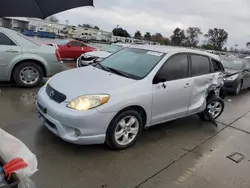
(101, 54)
(87, 80)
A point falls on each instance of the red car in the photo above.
(72, 48)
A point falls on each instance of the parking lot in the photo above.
(181, 153)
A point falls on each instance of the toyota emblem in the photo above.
(51, 93)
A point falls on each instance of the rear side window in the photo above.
(5, 40)
(200, 65)
(75, 44)
(175, 68)
(217, 66)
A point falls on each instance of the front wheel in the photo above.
(238, 88)
(124, 130)
(215, 106)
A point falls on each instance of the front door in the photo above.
(75, 49)
(8, 51)
(171, 98)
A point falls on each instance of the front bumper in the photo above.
(77, 127)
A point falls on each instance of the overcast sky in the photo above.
(165, 15)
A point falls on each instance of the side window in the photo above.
(200, 65)
(175, 68)
(75, 44)
(5, 40)
(217, 66)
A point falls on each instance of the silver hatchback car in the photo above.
(112, 101)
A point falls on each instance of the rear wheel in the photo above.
(215, 106)
(124, 130)
(28, 74)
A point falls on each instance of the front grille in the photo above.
(54, 94)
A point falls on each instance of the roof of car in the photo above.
(167, 49)
(6, 30)
(122, 44)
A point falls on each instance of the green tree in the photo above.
(120, 32)
(166, 41)
(147, 36)
(192, 36)
(217, 38)
(157, 37)
(138, 35)
(225, 49)
(178, 37)
(207, 46)
(96, 27)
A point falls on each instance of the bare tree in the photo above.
(193, 36)
(217, 38)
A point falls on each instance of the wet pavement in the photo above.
(182, 153)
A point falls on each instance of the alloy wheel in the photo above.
(126, 130)
(215, 108)
(29, 75)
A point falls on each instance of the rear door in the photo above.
(171, 98)
(202, 78)
(8, 51)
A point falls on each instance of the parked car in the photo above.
(132, 89)
(25, 61)
(72, 49)
(237, 75)
(89, 57)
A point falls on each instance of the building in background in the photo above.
(15, 23)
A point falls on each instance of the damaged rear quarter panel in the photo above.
(201, 86)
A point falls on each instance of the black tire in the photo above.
(211, 99)
(236, 92)
(16, 74)
(110, 135)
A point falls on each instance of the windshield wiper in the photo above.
(119, 72)
(103, 67)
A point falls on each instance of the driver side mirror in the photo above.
(158, 79)
(69, 45)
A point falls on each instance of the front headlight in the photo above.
(232, 77)
(87, 102)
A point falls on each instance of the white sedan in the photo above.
(90, 57)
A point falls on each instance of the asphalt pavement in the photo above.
(182, 153)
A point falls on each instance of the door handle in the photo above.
(187, 85)
(12, 51)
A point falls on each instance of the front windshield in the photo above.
(136, 63)
(233, 64)
(112, 48)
